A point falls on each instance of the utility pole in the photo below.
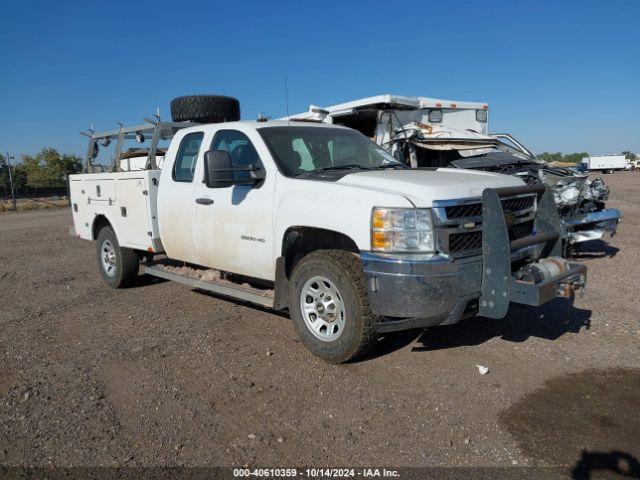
(13, 195)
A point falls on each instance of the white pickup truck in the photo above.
(319, 220)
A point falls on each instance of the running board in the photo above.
(226, 288)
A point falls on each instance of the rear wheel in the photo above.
(329, 305)
(118, 266)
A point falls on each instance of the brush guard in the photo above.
(499, 285)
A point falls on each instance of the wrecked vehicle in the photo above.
(318, 220)
(429, 133)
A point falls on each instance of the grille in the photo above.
(515, 204)
(463, 211)
(455, 212)
(460, 242)
(467, 241)
(520, 230)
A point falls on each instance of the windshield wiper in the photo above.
(349, 166)
(352, 166)
(390, 165)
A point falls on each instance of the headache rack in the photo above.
(505, 226)
(154, 128)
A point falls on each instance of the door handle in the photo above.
(204, 201)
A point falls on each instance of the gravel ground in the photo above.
(159, 374)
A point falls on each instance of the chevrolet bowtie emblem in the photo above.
(509, 217)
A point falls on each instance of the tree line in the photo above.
(575, 157)
(47, 168)
(50, 167)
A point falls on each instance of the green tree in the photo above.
(629, 156)
(18, 175)
(4, 174)
(574, 157)
(49, 166)
(550, 157)
(559, 157)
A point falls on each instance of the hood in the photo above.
(422, 187)
(494, 159)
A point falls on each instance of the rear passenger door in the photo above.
(234, 225)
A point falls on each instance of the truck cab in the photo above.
(318, 220)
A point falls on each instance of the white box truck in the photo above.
(604, 163)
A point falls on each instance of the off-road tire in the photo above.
(127, 261)
(345, 271)
(205, 109)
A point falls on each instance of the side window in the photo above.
(240, 150)
(187, 156)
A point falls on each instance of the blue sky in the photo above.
(559, 75)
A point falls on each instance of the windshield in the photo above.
(303, 150)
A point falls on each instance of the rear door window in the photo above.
(185, 163)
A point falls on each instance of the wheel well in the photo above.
(300, 241)
(98, 223)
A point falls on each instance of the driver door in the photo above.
(239, 217)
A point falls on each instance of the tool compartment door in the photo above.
(82, 212)
(101, 191)
(133, 216)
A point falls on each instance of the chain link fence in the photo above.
(34, 194)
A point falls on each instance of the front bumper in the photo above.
(414, 292)
(592, 226)
(422, 291)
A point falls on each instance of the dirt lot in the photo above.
(159, 374)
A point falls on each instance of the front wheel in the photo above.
(118, 266)
(329, 305)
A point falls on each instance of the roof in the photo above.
(254, 124)
(399, 102)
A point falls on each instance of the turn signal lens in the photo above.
(379, 217)
(380, 241)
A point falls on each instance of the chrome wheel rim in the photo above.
(322, 308)
(108, 257)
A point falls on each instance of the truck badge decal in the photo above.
(252, 239)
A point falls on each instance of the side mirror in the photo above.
(218, 171)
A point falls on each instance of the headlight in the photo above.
(401, 230)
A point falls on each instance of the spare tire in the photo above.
(205, 109)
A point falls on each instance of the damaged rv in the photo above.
(432, 133)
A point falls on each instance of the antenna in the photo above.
(286, 98)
